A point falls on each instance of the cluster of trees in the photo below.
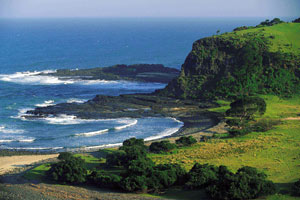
(165, 146)
(220, 183)
(140, 174)
(270, 23)
(264, 23)
(296, 20)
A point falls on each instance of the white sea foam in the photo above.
(134, 122)
(95, 82)
(6, 141)
(34, 148)
(46, 103)
(22, 114)
(41, 78)
(74, 100)
(6, 130)
(89, 134)
(129, 122)
(27, 140)
(103, 146)
(69, 120)
(62, 120)
(167, 132)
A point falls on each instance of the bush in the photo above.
(296, 20)
(117, 158)
(169, 174)
(71, 170)
(163, 146)
(104, 180)
(134, 184)
(133, 142)
(264, 125)
(238, 132)
(247, 183)
(200, 176)
(186, 141)
(65, 156)
(296, 188)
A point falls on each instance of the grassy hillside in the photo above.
(282, 37)
(257, 60)
(275, 152)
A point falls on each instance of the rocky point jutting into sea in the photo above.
(194, 114)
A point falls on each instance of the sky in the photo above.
(148, 8)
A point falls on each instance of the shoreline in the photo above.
(184, 129)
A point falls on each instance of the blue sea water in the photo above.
(29, 46)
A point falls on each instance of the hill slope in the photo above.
(256, 60)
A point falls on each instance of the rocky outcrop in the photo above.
(239, 63)
(138, 72)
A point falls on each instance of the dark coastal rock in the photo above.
(193, 113)
(138, 72)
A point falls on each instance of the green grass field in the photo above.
(283, 37)
(275, 152)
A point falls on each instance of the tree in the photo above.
(70, 170)
(162, 146)
(247, 183)
(117, 158)
(200, 176)
(242, 111)
(186, 141)
(296, 20)
(104, 179)
(65, 156)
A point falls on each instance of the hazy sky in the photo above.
(148, 8)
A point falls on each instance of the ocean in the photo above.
(31, 46)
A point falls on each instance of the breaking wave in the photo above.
(46, 103)
(6, 130)
(41, 78)
(130, 122)
(93, 133)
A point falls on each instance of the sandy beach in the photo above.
(9, 163)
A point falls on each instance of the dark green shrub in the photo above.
(200, 176)
(296, 188)
(65, 155)
(134, 184)
(264, 125)
(186, 141)
(238, 132)
(163, 146)
(173, 174)
(247, 183)
(296, 20)
(71, 170)
(104, 180)
(133, 142)
(117, 158)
